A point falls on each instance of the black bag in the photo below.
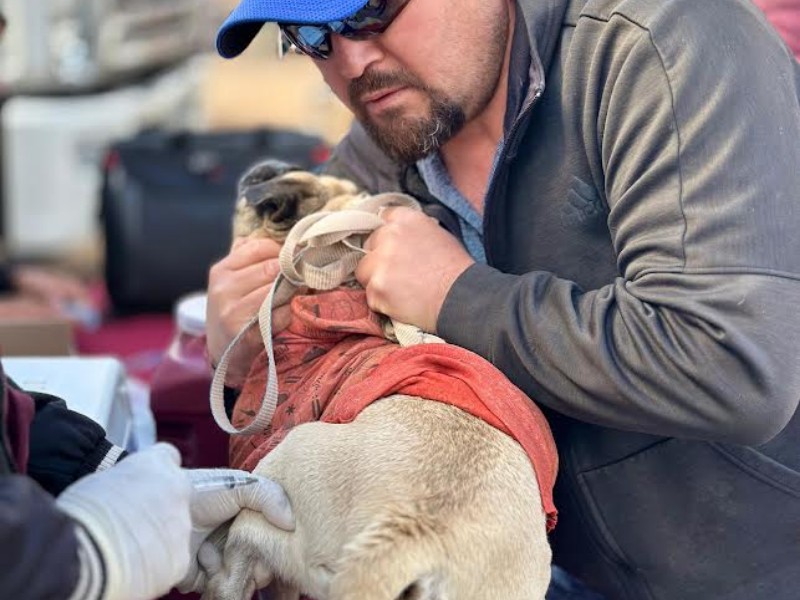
(167, 205)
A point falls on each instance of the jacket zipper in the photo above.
(512, 143)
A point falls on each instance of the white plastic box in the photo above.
(93, 386)
(53, 149)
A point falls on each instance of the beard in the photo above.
(407, 139)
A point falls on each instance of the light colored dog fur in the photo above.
(414, 500)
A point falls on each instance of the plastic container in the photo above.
(179, 396)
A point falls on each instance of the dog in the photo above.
(412, 500)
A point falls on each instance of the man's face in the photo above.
(435, 69)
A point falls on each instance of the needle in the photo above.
(225, 481)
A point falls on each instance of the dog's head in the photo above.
(274, 195)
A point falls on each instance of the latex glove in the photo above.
(137, 514)
(211, 508)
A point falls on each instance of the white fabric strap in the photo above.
(321, 252)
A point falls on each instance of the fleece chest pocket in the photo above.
(699, 521)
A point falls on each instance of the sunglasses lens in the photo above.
(313, 40)
(374, 18)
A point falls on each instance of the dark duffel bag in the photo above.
(167, 204)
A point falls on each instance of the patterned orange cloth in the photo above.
(333, 361)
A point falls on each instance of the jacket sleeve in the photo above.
(64, 445)
(40, 556)
(695, 128)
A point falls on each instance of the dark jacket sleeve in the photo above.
(694, 131)
(40, 547)
(66, 445)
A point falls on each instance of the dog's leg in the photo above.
(251, 554)
(396, 558)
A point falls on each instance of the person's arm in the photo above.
(133, 531)
(698, 336)
(66, 445)
(40, 545)
(146, 520)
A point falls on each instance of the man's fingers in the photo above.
(238, 242)
(393, 213)
(236, 285)
(251, 302)
(281, 317)
(364, 269)
(370, 242)
(249, 251)
(264, 272)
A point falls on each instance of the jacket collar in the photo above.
(536, 34)
(542, 20)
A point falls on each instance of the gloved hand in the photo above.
(137, 514)
(213, 504)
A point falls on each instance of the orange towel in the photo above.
(333, 361)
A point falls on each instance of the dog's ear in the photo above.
(263, 171)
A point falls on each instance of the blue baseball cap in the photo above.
(249, 17)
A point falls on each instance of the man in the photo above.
(623, 178)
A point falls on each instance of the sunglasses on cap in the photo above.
(315, 40)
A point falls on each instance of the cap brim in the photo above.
(246, 20)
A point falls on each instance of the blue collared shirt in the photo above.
(436, 178)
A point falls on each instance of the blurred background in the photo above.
(78, 75)
(122, 137)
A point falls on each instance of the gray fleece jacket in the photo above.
(643, 286)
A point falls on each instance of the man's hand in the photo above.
(212, 508)
(237, 286)
(410, 265)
